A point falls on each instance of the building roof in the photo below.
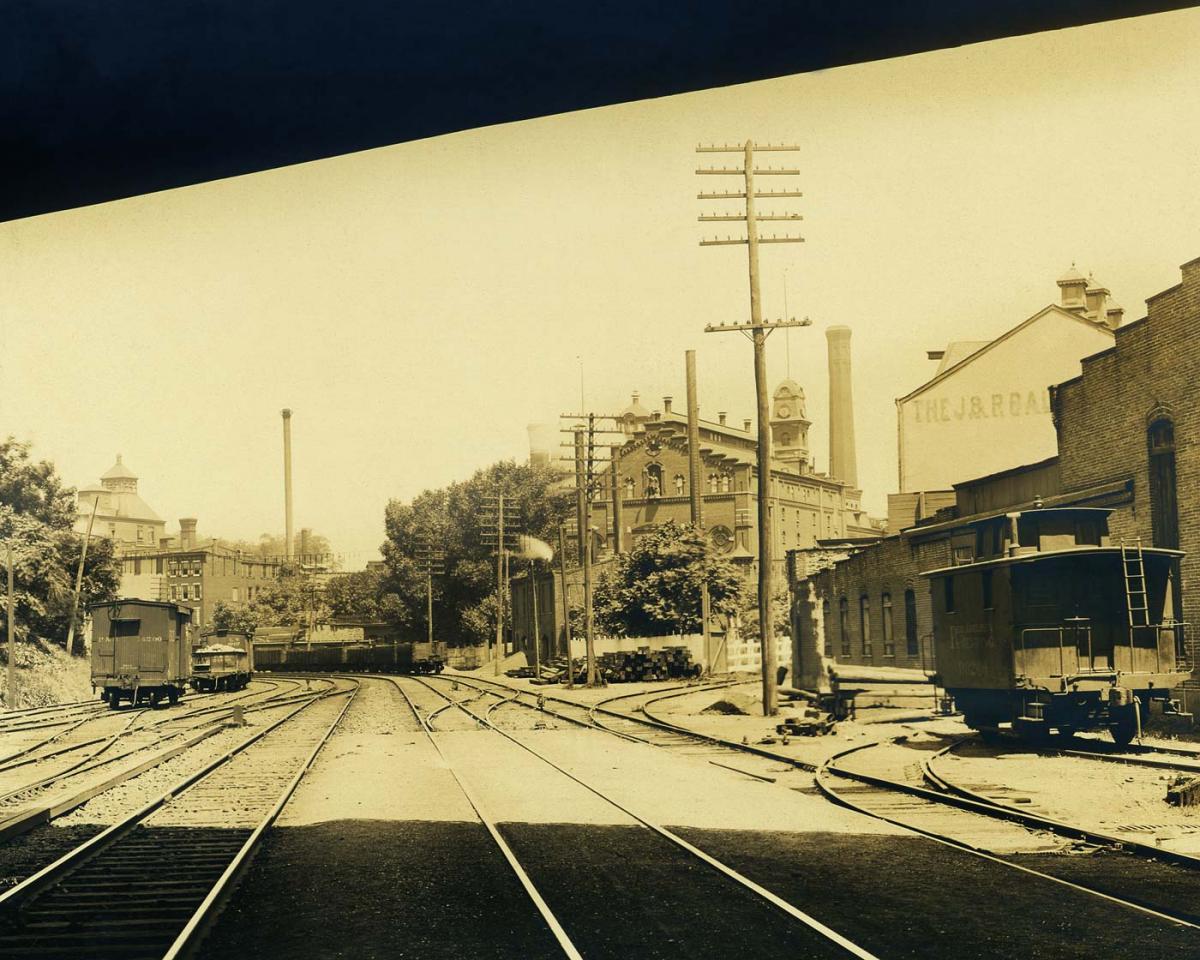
(118, 471)
(945, 371)
(957, 351)
(1071, 276)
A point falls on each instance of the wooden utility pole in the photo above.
(537, 632)
(562, 568)
(12, 649)
(758, 331)
(696, 493)
(499, 584)
(585, 540)
(79, 584)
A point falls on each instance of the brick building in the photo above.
(121, 514)
(1133, 417)
(195, 575)
(1125, 433)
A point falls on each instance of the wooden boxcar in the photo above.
(141, 650)
(1045, 624)
(223, 661)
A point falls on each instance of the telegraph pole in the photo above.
(12, 649)
(537, 630)
(501, 523)
(562, 568)
(432, 561)
(79, 582)
(695, 491)
(758, 330)
(587, 485)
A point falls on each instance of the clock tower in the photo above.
(789, 429)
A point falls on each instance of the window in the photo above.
(679, 484)
(864, 621)
(173, 568)
(889, 637)
(844, 624)
(234, 598)
(174, 592)
(948, 593)
(987, 590)
(195, 591)
(825, 628)
(629, 488)
(137, 566)
(1164, 505)
(910, 623)
(184, 592)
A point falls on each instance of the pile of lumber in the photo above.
(669, 663)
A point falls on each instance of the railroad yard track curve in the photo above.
(809, 922)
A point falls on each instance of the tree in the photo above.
(275, 545)
(36, 516)
(450, 519)
(780, 612)
(655, 588)
(356, 596)
(293, 600)
(235, 619)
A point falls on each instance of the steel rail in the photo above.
(190, 935)
(724, 869)
(895, 786)
(556, 928)
(87, 766)
(11, 899)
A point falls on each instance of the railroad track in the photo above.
(122, 725)
(973, 824)
(472, 705)
(41, 799)
(147, 886)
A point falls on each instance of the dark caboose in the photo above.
(141, 650)
(1044, 623)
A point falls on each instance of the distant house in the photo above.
(121, 515)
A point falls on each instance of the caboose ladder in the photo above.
(1134, 568)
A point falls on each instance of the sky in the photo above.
(417, 306)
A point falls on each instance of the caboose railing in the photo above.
(1076, 634)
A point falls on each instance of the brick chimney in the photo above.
(667, 404)
(843, 456)
(746, 424)
(721, 418)
(187, 533)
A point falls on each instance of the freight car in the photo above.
(1044, 624)
(141, 651)
(224, 661)
(362, 657)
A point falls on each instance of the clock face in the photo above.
(784, 412)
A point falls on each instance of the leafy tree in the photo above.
(655, 588)
(451, 519)
(235, 619)
(292, 600)
(275, 545)
(36, 516)
(780, 610)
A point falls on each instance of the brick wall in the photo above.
(1103, 415)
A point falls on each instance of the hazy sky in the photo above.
(418, 305)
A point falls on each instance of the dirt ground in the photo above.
(46, 674)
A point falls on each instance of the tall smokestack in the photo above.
(843, 462)
(305, 542)
(287, 480)
(187, 533)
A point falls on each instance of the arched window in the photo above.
(725, 483)
(864, 622)
(679, 484)
(629, 488)
(825, 625)
(912, 648)
(844, 625)
(1164, 507)
(889, 636)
